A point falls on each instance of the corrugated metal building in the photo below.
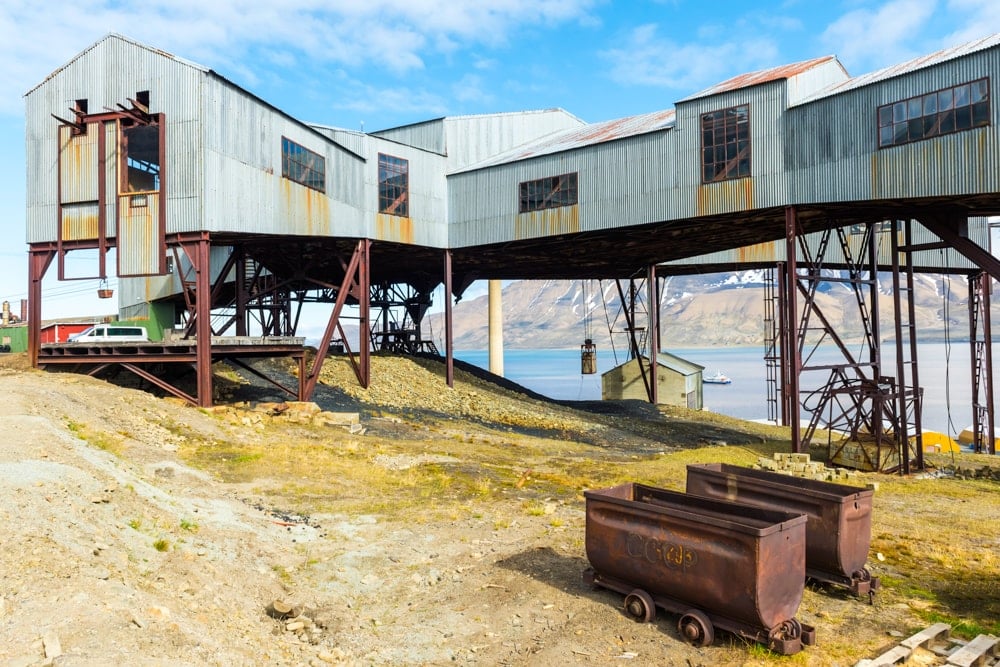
(192, 153)
(679, 382)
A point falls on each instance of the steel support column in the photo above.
(449, 361)
(240, 258)
(791, 358)
(636, 343)
(983, 421)
(203, 324)
(350, 284)
(39, 260)
(362, 292)
(654, 341)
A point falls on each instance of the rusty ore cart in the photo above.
(717, 564)
(839, 526)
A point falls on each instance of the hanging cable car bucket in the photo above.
(103, 291)
(588, 357)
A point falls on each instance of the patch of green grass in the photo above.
(161, 545)
(135, 524)
(962, 627)
(189, 526)
(111, 443)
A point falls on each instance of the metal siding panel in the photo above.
(111, 179)
(471, 139)
(766, 185)
(139, 243)
(78, 170)
(79, 222)
(106, 75)
(244, 189)
(833, 149)
(429, 136)
(769, 252)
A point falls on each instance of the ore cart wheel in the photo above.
(695, 628)
(640, 606)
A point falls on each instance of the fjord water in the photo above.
(944, 369)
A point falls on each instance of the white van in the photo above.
(111, 333)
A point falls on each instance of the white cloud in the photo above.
(401, 100)
(652, 60)
(866, 39)
(397, 35)
(978, 19)
(472, 88)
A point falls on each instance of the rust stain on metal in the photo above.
(838, 528)
(739, 567)
(304, 208)
(77, 166)
(78, 227)
(725, 196)
(547, 222)
(764, 76)
(758, 252)
(393, 228)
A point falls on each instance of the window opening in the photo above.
(393, 185)
(962, 107)
(302, 165)
(141, 157)
(549, 192)
(725, 144)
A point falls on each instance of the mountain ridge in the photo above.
(706, 310)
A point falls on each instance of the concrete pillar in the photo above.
(496, 328)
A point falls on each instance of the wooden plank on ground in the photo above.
(895, 656)
(976, 652)
(927, 635)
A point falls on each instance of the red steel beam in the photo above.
(203, 324)
(449, 361)
(794, 361)
(39, 260)
(333, 323)
(654, 343)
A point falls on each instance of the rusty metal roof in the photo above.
(579, 137)
(909, 66)
(761, 76)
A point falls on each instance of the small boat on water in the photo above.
(718, 378)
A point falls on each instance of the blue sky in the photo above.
(382, 63)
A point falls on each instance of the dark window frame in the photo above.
(140, 158)
(393, 185)
(303, 166)
(549, 192)
(726, 146)
(938, 113)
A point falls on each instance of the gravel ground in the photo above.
(118, 552)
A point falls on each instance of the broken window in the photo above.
(302, 165)
(550, 192)
(393, 185)
(954, 109)
(141, 158)
(725, 144)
